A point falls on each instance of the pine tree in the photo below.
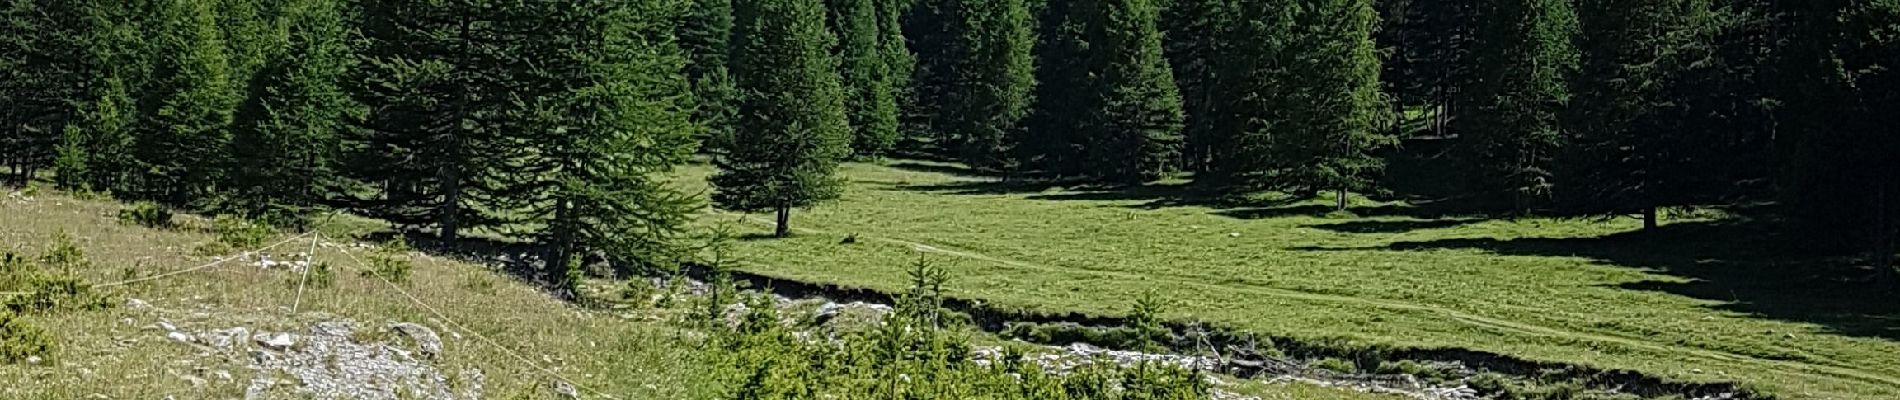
(705, 35)
(1139, 135)
(899, 61)
(431, 79)
(180, 140)
(1634, 145)
(1194, 32)
(870, 102)
(1068, 97)
(40, 80)
(1336, 113)
(792, 129)
(1508, 111)
(287, 138)
(987, 79)
(97, 151)
(1252, 73)
(602, 120)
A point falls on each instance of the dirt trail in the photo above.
(1470, 319)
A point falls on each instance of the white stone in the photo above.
(137, 304)
(279, 341)
(181, 337)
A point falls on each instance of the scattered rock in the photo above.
(34, 360)
(181, 337)
(137, 304)
(278, 342)
(426, 339)
(566, 391)
(1233, 234)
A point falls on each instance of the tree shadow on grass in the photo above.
(938, 168)
(1733, 263)
(1400, 226)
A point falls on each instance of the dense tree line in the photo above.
(555, 124)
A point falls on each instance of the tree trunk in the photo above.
(1649, 218)
(1342, 199)
(1883, 242)
(451, 204)
(784, 222)
(451, 174)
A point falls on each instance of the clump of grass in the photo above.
(1335, 365)
(49, 283)
(147, 214)
(1415, 369)
(320, 276)
(391, 261)
(20, 340)
(240, 233)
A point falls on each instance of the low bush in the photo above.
(20, 340)
(390, 261)
(147, 214)
(1335, 365)
(49, 283)
(239, 233)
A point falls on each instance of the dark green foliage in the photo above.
(980, 78)
(596, 128)
(705, 34)
(147, 214)
(1196, 33)
(792, 129)
(1634, 140)
(431, 77)
(41, 76)
(390, 262)
(871, 101)
(899, 61)
(288, 137)
(192, 101)
(1508, 111)
(49, 284)
(1335, 112)
(1067, 96)
(1139, 134)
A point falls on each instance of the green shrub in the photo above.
(320, 276)
(20, 340)
(1335, 365)
(1414, 368)
(240, 233)
(147, 214)
(50, 290)
(390, 261)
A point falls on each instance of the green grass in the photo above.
(114, 353)
(1698, 300)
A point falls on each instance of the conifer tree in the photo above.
(287, 139)
(40, 79)
(1194, 33)
(1139, 136)
(96, 153)
(1633, 145)
(1067, 94)
(870, 101)
(899, 60)
(601, 121)
(1335, 111)
(1251, 74)
(987, 78)
(705, 35)
(431, 80)
(1509, 109)
(792, 130)
(180, 140)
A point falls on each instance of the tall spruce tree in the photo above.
(41, 79)
(1251, 74)
(705, 35)
(602, 120)
(190, 110)
(1633, 142)
(1068, 97)
(1194, 31)
(899, 61)
(792, 130)
(287, 138)
(97, 151)
(870, 101)
(431, 81)
(1139, 134)
(987, 77)
(1509, 109)
(1335, 112)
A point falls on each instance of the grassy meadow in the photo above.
(118, 353)
(1699, 299)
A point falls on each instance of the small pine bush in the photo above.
(147, 214)
(240, 233)
(20, 340)
(391, 261)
